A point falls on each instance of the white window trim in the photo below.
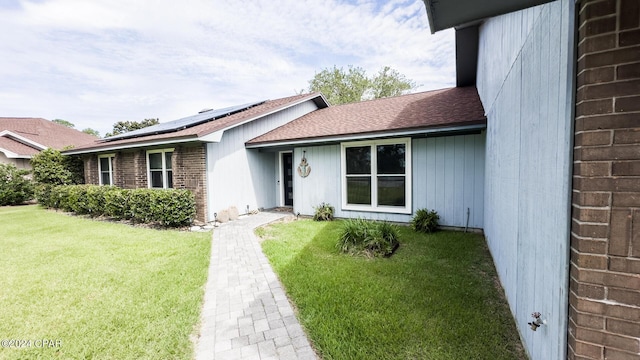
(406, 209)
(110, 157)
(164, 167)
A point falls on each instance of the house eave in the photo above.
(12, 155)
(22, 139)
(101, 149)
(445, 14)
(421, 132)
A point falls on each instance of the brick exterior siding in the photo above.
(604, 302)
(130, 172)
(91, 175)
(190, 172)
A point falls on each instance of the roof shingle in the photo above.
(432, 109)
(40, 131)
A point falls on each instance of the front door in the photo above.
(287, 178)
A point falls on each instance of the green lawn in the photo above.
(437, 297)
(97, 289)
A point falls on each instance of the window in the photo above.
(105, 169)
(377, 175)
(160, 171)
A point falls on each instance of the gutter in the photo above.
(129, 146)
(362, 136)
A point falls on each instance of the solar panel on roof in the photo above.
(184, 123)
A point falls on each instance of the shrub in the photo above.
(116, 203)
(173, 207)
(324, 212)
(369, 238)
(44, 195)
(15, 187)
(425, 221)
(169, 207)
(51, 167)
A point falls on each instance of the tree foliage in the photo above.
(389, 82)
(15, 187)
(64, 123)
(122, 127)
(341, 87)
(91, 131)
(53, 168)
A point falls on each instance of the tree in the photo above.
(341, 87)
(64, 123)
(91, 131)
(390, 82)
(122, 127)
(15, 187)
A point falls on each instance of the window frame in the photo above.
(164, 168)
(374, 207)
(111, 158)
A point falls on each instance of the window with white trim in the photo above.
(376, 175)
(105, 169)
(160, 173)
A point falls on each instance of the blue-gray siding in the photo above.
(524, 81)
(447, 175)
(237, 176)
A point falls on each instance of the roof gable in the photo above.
(436, 109)
(210, 130)
(27, 136)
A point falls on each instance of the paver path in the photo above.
(246, 313)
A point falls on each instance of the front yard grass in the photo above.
(96, 289)
(437, 297)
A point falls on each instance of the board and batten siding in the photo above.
(525, 84)
(237, 176)
(447, 175)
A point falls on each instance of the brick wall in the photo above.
(189, 172)
(130, 169)
(130, 172)
(91, 169)
(604, 303)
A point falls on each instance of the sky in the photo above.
(98, 62)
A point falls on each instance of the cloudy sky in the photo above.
(97, 62)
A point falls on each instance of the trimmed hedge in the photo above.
(167, 207)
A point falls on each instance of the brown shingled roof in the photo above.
(40, 131)
(210, 127)
(16, 147)
(432, 109)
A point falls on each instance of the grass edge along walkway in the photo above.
(437, 297)
(103, 290)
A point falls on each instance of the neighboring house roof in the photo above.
(14, 149)
(210, 131)
(24, 137)
(432, 111)
(444, 14)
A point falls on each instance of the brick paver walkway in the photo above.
(246, 313)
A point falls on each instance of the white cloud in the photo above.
(101, 61)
